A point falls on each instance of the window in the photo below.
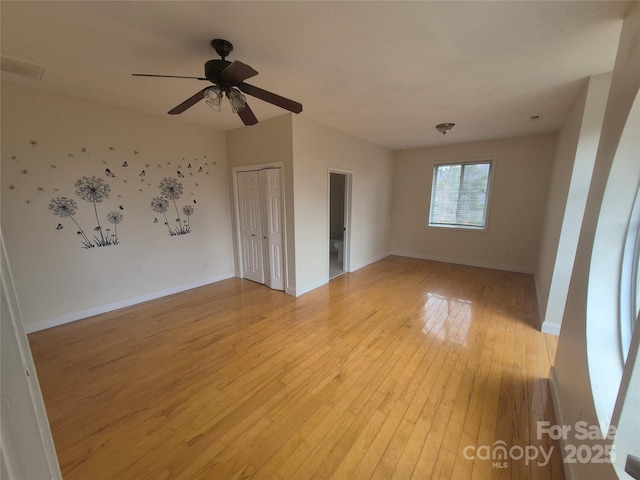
(630, 280)
(460, 195)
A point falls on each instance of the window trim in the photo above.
(467, 228)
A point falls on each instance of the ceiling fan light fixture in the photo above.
(445, 128)
(227, 79)
(213, 98)
(237, 99)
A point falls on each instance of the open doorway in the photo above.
(339, 189)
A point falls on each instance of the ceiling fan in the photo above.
(228, 78)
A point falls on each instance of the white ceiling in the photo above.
(386, 72)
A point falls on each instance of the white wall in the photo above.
(307, 150)
(51, 141)
(521, 175)
(573, 385)
(570, 178)
(316, 148)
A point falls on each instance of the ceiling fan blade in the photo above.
(238, 72)
(247, 116)
(189, 102)
(272, 98)
(165, 76)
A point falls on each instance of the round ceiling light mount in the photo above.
(445, 128)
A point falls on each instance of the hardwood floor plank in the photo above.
(390, 372)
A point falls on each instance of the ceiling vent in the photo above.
(19, 67)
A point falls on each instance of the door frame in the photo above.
(236, 216)
(27, 447)
(348, 188)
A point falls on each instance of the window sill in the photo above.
(457, 227)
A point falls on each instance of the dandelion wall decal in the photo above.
(66, 208)
(188, 211)
(114, 218)
(33, 143)
(171, 189)
(94, 190)
(84, 150)
(161, 205)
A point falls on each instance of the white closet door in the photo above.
(271, 202)
(250, 226)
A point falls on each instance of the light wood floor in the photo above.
(385, 373)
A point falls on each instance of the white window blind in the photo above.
(460, 195)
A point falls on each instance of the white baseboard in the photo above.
(550, 328)
(308, 288)
(462, 261)
(538, 301)
(37, 325)
(369, 261)
(544, 326)
(569, 469)
(296, 292)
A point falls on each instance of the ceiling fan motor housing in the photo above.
(213, 71)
